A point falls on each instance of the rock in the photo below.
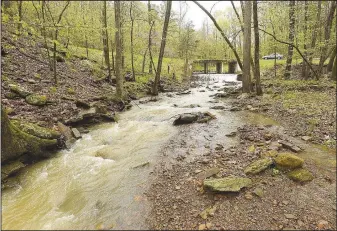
(12, 95)
(10, 169)
(202, 227)
(290, 146)
(322, 224)
(59, 59)
(251, 149)
(197, 171)
(274, 146)
(248, 196)
(271, 153)
(208, 225)
(31, 81)
(232, 134)
(18, 90)
(300, 175)
(146, 163)
(37, 100)
(218, 147)
(82, 104)
(76, 133)
(258, 192)
(288, 160)
(290, 216)
(191, 106)
(89, 116)
(36, 130)
(306, 138)
(199, 117)
(243, 96)
(184, 92)
(227, 184)
(258, 166)
(208, 173)
(210, 211)
(268, 136)
(177, 187)
(16, 142)
(67, 134)
(202, 91)
(235, 109)
(218, 107)
(186, 118)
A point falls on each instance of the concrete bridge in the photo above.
(206, 65)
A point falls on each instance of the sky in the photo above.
(194, 13)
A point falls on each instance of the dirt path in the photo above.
(272, 202)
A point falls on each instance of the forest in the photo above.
(168, 115)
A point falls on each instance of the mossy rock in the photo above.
(36, 130)
(258, 166)
(16, 142)
(37, 100)
(18, 90)
(288, 161)
(227, 184)
(300, 175)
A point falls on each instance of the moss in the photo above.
(53, 90)
(37, 100)
(18, 90)
(71, 91)
(36, 130)
(15, 142)
(288, 160)
(227, 184)
(258, 166)
(300, 175)
(37, 75)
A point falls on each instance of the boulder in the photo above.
(19, 90)
(227, 184)
(258, 166)
(82, 104)
(288, 161)
(16, 142)
(10, 169)
(66, 133)
(186, 118)
(37, 100)
(90, 116)
(12, 95)
(300, 175)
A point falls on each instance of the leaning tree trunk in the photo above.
(287, 73)
(162, 48)
(119, 78)
(257, 50)
(331, 59)
(334, 72)
(246, 47)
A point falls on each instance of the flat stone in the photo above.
(227, 184)
(306, 138)
(76, 133)
(258, 192)
(208, 173)
(290, 216)
(232, 134)
(290, 146)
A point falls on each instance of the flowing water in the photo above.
(99, 183)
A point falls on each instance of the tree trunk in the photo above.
(131, 42)
(112, 56)
(327, 32)
(287, 73)
(119, 78)
(44, 33)
(257, 50)
(105, 39)
(315, 30)
(20, 16)
(150, 35)
(331, 59)
(54, 58)
(246, 47)
(304, 65)
(85, 33)
(162, 48)
(334, 72)
(144, 60)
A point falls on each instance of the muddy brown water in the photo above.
(99, 183)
